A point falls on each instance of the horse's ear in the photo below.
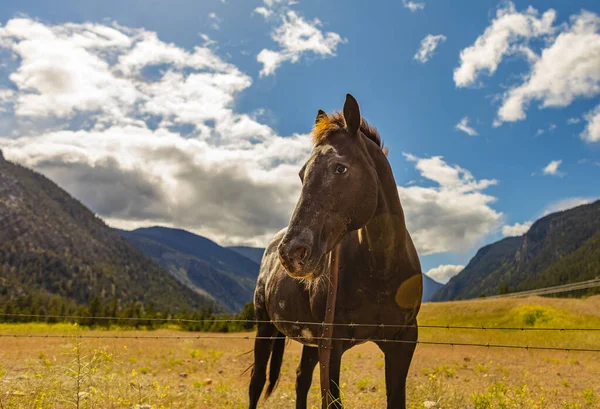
(320, 114)
(352, 115)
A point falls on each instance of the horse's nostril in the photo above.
(300, 253)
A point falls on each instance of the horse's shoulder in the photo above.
(274, 244)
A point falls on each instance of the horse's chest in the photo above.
(362, 312)
(374, 320)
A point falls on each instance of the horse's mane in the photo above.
(326, 124)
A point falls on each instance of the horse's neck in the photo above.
(385, 236)
(384, 239)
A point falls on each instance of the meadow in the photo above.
(158, 370)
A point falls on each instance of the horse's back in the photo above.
(271, 249)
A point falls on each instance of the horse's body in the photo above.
(379, 271)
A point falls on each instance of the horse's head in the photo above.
(339, 191)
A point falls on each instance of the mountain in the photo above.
(253, 253)
(52, 246)
(430, 287)
(221, 273)
(483, 272)
(559, 248)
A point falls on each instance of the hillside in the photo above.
(54, 248)
(580, 265)
(253, 253)
(483, 272)
(200, 263)
(430, 287)
(559, 248)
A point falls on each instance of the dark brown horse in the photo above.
(349, 198)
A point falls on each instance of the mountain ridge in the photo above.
(198, 262)
(253, 253)
(526, 262)
(430, 287)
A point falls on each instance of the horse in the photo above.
(348, 203)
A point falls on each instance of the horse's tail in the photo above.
(275, 365)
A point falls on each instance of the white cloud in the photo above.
(541, 131)
(572, 121)
(144, 132)
(428, 46)
(149, 51)
(295, 36)
(6, 98)
(463, 125)
(271, 60)
(410, 157)
(136, 175)
(413, 5)
(263, 11)
(443, 274)
(500, 39)
(517, 229)
(59, 75)
(6, 95)
(591, 133)
(552, 168)
(215, 21)
(90, 69)
(567, 203)
(568, 69)
(453, 216)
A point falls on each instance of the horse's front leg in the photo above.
(304, 375)
(398, 356)
(332, 400)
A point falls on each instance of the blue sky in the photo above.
(232, 141)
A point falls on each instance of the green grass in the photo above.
(528, 313)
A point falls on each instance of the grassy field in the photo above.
(208, 373)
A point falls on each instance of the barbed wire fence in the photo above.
(557, 289)
(230, 336)
(254, 321)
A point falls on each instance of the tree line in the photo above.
(107, 314)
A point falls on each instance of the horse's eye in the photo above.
(340, 169)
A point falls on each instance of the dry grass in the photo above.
(207, 373)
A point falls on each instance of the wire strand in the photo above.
(251, 338)
(365, 325)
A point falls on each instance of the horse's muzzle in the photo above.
(294, 255)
